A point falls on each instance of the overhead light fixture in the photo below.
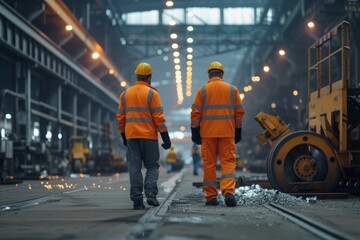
(176, 54)
(190, 28)
(169, 3)
(95, 55)
(255, 78)
(295, 93)
(282, 52)
(123, 84)
(172, 23)
(266, 68)
(174, 45)
(189, 40)
(111, 71)
(173, 36)
(69, 27)
(242, 96)
(311, 24)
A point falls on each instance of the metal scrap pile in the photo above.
(255, 195)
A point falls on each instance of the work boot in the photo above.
(139, 205)
(212, 202)
(152, 201)
(230, 200)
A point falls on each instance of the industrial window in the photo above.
(142, 18)
(269, 15)
(203, 16)
(176, 15)
(239, 16)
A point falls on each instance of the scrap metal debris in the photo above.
(255, 195)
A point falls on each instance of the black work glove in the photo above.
(124, 139)
(237, 135)
(195, 135)
(166, 139)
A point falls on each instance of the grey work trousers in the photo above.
(141, 151)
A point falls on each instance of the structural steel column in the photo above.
(59, 107)
(75, 115)
(88, 116)
(99, 127)
(28, 103)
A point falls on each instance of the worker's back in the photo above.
(218, 109)
(139, 100)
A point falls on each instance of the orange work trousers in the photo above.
(211, 148)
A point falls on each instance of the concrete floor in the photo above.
(100, 208)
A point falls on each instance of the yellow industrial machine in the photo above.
(326, 156)
(102, 158)
(106, 157)
(80, 154)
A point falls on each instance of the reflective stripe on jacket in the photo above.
(140, 112)
(218, 109)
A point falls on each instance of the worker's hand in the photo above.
(124, 139)
(195, 135)
(237, 135)
(166, 139)
(166, 145)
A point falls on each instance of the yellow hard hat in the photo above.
(143, 69)
(216, 65)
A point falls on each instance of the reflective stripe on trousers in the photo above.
(139, 151)
(225, 149)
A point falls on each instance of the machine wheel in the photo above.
(303, 161)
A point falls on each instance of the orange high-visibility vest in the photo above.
(140, 112)
(217, 109)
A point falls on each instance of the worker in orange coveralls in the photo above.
(216, 123)
(140, 117)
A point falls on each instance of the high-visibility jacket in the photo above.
(218, 109)
(140, 112)
(172, 156)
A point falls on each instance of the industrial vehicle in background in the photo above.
(81, 159)
(326, 156)
(100, 159)
(107, 158)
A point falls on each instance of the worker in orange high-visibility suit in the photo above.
(140, 117)
(171, 159)
(216, 123)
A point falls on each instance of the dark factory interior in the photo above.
(65, 63)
